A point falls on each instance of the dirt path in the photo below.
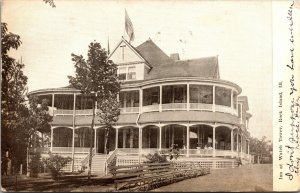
(245, 178)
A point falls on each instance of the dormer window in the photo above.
(122, 73)
(127, 73)
(131, 73)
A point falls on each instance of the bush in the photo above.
(55, 163)
(156, 158)
(35, 165)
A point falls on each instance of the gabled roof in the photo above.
(133, 49)
(153, 54)
(203, 67)
(165, 67)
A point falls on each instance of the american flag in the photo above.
(129, 27)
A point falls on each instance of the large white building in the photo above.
(164, 101)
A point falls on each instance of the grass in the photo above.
(254, 178)
(245, 178)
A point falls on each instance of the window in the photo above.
(122, 73)
(131, 73)
(151, 96)
(234, 99)
(201, 94)
(129, 99)
(223, 96)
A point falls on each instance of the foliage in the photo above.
(97, 77)
(55, 163)
(14, 112)
(261, 147)
(156, 158)
(35, 164)
(39, 116)
(174, 152)
(50, 2)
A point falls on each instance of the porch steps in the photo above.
(98, 164)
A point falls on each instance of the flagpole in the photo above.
(124, 22)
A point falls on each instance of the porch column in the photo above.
(188, 97)
(248, 147)
(231, 142)
(214, 141)
(140, 143)
(188, 139)
(160, 137)
(117, 138)
(51, 138)
(232, 108)
(73, 137)
(131, 137)
(237, 142)
(95, 140)
(124, 138)
(141, 100)
(73, 149)
(53, 104)
(160, 98)
(140, 138)
(214, 99)
(242, 144)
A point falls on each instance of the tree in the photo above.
(14, 112)
(97, 78)
(39, 116)
(50, 2)
(261, 147)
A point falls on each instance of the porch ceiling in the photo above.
(184, 116)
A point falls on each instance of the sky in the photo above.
(239, 32)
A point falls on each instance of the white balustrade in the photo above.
(129, 110)
(223, 109)
(174, 106)
(150, 108)
(201, 106)
(63, 112)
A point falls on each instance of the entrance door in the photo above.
(100, 140)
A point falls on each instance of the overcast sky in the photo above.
(239, 32)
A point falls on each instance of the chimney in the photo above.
(175, 56)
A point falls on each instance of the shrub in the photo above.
(156, 158)
(55, 163)
(35, 165)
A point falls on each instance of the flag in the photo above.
(129, 27)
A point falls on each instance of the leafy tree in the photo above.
(50, 2)
(14, 112)
(261, 147)
(97, 77)
(39, 116)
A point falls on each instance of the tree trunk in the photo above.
(106, 139)
(91, 144)
(42, 139)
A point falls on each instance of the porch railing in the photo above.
(223, 109)
(130, 110)
(174, 106)
(150, 108)
(111, 160)
(63, 112)
(85, 161)
(201, 106)
(69, 149)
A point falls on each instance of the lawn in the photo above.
(245, 178)
(254, 178)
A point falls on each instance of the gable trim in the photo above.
(133, 49)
